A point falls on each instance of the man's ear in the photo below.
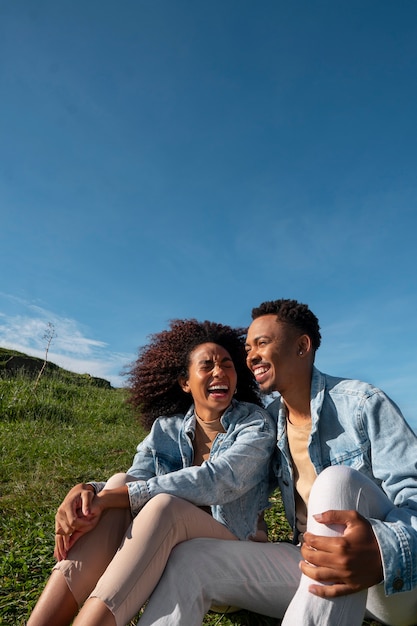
(183, 383)
(304, 344)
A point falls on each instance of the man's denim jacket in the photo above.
(356, 424)
(234, 480)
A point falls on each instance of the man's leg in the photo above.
(397, 610)
(260, 577)
(340, 487)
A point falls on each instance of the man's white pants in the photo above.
(266, 579)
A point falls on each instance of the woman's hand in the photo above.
(78, 513)
(75, 506)
(64, 542)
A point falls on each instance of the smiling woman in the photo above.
(211, 381)
(153, 379)
(203, 471)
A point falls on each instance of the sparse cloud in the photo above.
(71, 348)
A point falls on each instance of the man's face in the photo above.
(272, 350)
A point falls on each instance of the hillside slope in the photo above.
(13, 363)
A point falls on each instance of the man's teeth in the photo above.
(260, 370)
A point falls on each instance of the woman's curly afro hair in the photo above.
(153, 378)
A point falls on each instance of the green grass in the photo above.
(66, 432)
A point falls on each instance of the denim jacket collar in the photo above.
(317, 391)
(228, 417)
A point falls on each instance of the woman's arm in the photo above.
(222, 478)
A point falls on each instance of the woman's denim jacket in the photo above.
(356, 424)
(234, 480)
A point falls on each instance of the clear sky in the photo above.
(180, 158)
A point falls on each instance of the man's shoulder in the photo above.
(334, 385)
(339, 382)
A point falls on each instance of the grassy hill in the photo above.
(13, 363)
(66, 429)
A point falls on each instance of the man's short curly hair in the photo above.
(153, 378)
(293, 313)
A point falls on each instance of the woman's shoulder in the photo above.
(168, 422)
(248, 410)
(164, 426)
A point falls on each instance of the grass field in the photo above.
(63, 432)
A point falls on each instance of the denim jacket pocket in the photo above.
(165, 464)
(352, 458)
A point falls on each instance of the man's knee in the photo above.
(336, 476)
(336, 487)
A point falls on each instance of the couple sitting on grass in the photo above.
(341, 452)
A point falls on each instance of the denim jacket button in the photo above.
(398, 584)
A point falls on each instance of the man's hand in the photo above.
(351, 562)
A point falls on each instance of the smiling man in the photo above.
(346, 464)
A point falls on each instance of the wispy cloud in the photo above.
(70, 348)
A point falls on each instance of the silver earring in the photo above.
(300, 352)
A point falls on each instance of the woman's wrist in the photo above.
(113, 498)
(95, 486)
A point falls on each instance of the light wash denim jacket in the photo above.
(234, 480)
(356, 424)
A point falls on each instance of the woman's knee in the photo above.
(164, 501)
(164, 507)
(117, 480)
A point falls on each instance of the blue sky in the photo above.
(171, 158)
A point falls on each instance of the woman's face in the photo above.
(211, 380)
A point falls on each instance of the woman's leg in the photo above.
(56, 605)
(341, 488)
(73, 579)
(138, 565)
